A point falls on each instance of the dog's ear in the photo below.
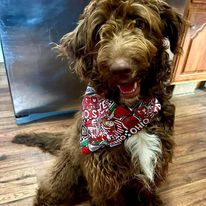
(71, 49)
(172, 23)
(75, 46)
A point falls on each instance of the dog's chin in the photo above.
(129, 93)
(129, 102)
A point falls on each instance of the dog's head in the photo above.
(118, 46)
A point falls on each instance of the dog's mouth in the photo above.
(130, 90)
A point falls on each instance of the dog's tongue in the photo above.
(127, 88)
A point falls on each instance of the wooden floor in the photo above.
(20, 165)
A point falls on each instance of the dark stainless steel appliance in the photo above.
(179, 5)
(40, 84)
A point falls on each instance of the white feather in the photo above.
(145, 150)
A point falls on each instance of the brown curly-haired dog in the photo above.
(116, 42)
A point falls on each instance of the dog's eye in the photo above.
(140, 23)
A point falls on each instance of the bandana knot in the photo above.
(104, 123)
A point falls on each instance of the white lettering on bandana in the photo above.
(104, 123)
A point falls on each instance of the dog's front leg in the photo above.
(116, 200)
(98, 201)
(101, 201)
(150, 199)
(57, 189)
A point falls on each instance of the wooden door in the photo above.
(191, 65)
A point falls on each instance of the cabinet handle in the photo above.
(193, 27)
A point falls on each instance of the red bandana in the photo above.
(104, 123)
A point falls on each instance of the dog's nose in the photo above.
(120, 67)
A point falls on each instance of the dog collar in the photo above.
(104, 123)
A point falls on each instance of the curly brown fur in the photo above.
(46, 142)
(118, 42)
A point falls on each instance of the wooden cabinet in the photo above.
(191, 65)
(198, 1)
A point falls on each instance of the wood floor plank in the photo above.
(193, 194)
